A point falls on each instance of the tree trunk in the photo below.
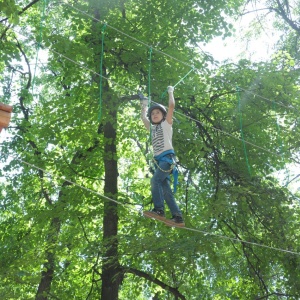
(47, 274)
(111, 272)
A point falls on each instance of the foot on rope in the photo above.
(175, 221)
(155, 214)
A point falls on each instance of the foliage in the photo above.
(65, 228)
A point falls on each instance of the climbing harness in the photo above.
(165, 171)
(169, 157)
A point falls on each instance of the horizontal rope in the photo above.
(130, 209)
(168, 55)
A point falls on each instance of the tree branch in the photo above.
(149, 277)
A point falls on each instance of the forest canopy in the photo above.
(75, 159)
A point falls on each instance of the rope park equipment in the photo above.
(103, 197)
(189, 65)
(149, 75)
(45, 2)
(173, 58)
(150, 52)
(187, 228)
(151, 160)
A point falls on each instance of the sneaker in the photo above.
(155, 214)
(176, 221)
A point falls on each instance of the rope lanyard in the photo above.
(165, 171)
(149, 89)
(101, 77)
(188, 73)
(241, 130)
(149, 75)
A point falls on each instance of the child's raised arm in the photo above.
(171, 108)
(144, 106)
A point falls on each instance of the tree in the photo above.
(77, 175)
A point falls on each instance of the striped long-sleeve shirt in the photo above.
(161, 137)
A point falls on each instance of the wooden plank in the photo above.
(6, 107)
(4, 118)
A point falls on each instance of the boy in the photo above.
(161, 128)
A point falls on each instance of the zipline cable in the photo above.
(191, 229)
(214, 128)
(94, 72)
(130, 90)
(176, 112)
(129, 36)
(268, 100)
(166, 54)
(126, 206)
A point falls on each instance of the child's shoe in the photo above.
(176, 221)
(155, 214)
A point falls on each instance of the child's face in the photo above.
(156, 116)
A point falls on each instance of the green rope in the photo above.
(101, 64)
(149, 75)
(187, 74)
(149, 88)
(241, 129)
(40, 38)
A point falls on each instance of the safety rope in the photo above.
(101, 71)
(149, 75)
(188, 73)
(197, 121)
(135, 211)
(167, 55)
(177, 112)
(149, 88)
(241, 129)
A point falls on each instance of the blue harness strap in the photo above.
(164, 157)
